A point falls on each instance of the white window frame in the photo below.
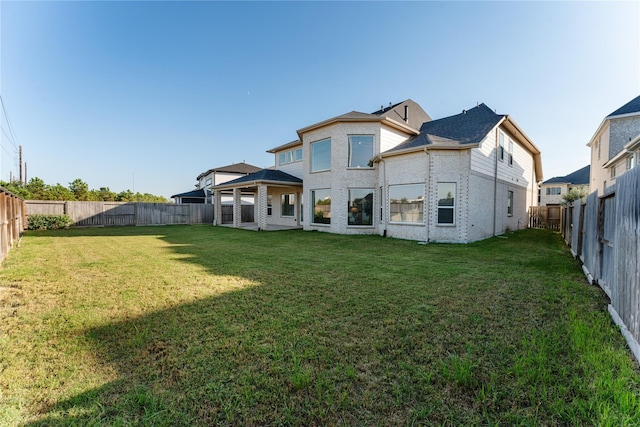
(290, 156)
(510, 203)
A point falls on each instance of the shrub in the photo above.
(48, 222)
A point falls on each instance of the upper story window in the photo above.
(501, 147)
(554, 191)
(598, 147)
(208, 182)
(510, 153)
(629, 162)
(321, 155)
(360, 150)
(613, 172)
(290, 156)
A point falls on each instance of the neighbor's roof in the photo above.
(194, 194)
(469, 127)
(233, 168)
(263, 175)
(630, 107)
(579, 177)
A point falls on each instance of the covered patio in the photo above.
(266, 186)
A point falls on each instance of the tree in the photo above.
(60, 192)
(37, 189)
(80, 189)
(574, 194)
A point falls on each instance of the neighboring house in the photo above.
(207, 180)
(397, 173)
(614, 146)
(195, 196)
(552, 190)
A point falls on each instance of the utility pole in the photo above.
(20, 157)
(25, 173)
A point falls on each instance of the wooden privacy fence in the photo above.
(549, 217)
(12, 221)
(605, 234)
(100, 214)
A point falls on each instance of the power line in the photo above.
(6, 115)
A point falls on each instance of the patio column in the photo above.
(217, 208)
(237, 208)
(261, 207)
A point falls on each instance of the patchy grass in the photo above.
(214, 326)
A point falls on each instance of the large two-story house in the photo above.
(615, 146)
(395, 172)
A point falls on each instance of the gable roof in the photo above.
(291, 144)
(468, 127)
(262, 176)
(416, 116)
(630, 107)
(193, 194)
(579, 177)
(392, 116)
(243, 168)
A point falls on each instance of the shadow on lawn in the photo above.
(275, 352)
(313, 342)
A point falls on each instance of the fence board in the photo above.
(610, 246)
(626, 278)
(12, 221)
(98, 214)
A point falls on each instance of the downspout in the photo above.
(495, 184)
(384, 191)
(428, 198)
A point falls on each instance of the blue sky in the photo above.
(147, 95)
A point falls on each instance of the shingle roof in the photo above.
(632, 106)
(264, 175)
(468, 127)
(233, 168)
(417, 116)
(579, 177)
(194, 193)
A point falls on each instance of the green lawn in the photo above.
(211, 326)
